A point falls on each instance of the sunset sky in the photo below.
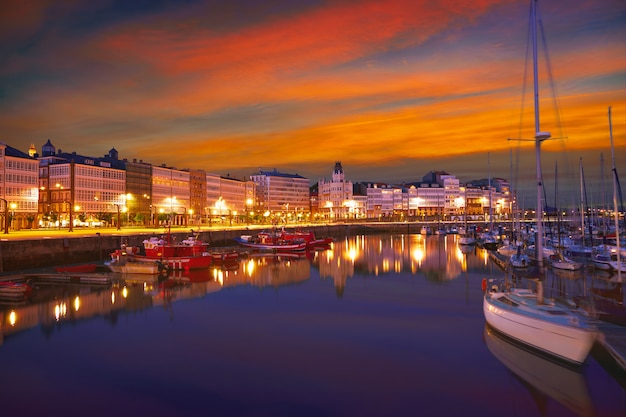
(392, 89)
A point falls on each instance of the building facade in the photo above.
(335, 196)
(282, 196)
(77, 190)
(171, 195)
(19, 193)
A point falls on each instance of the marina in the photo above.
(369, 326)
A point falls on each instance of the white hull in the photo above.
(466, 240)
(150, 268)
(547, 327)
(567, 266)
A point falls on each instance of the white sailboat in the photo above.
(559, 330)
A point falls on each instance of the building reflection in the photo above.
(437, 258)
(60, 304)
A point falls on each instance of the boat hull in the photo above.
(467, 240)
(288, 247)
(148, 268)
(568, 342)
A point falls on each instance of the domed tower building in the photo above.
(335, 196)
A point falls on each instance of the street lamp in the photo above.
(6, 216)
(118, 217)
(13, 207)
(248, 205)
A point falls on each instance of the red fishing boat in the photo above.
(190, 253)
(166, 247)
(308, 237)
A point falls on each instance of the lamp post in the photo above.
(71, 226)
(248, 204)
(13, 207)
(118, 217)
(6, 216)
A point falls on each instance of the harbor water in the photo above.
(385, 325)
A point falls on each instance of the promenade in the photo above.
(50, 233)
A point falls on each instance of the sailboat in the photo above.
(557, 329)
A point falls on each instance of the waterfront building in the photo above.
(228, 199)
(497, 196)
(233, 197)
(170, 195)
(138, 193)
(282, 196)
(213, 193)
(197, 195)
(381, 200)
(19, 192)
(80, 190)
(335, 196)
(474, 202)
(166, 195)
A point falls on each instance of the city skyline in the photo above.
(392, 89)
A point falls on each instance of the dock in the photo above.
(70, 278)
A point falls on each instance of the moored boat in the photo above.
(270, 241)
(308, 237)
(556, 329)
(190, 253)
(166, 247)
(559, 261)
(136, 267)
(519, 260)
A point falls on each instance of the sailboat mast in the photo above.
(582, 199)
(489, 185)
(539, 137)
(615, 211)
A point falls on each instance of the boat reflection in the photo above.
(437, 259)
(57, 304)
(542, 377)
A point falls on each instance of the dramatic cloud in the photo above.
(391, 88)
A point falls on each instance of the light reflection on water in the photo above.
(375, 325)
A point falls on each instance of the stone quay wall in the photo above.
(17, 255)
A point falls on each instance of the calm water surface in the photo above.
(376, 326)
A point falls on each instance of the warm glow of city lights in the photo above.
(60, 310)
(12, 318)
